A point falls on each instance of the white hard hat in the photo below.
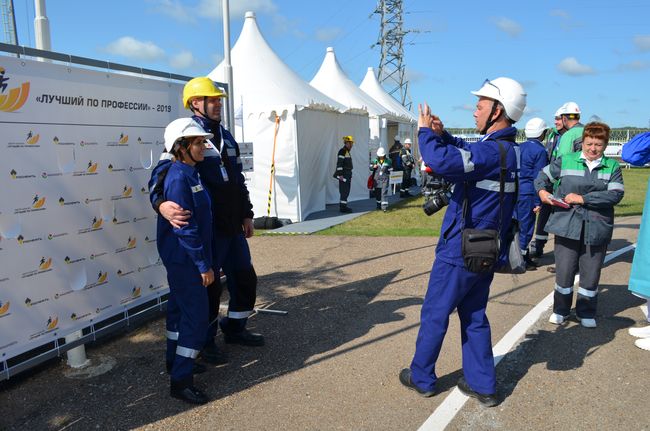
(507, 91)
(396, 138)
(381, 152)
(559, 111)
(407, 141)
(571, 108)
(535, 127)
(180, 128)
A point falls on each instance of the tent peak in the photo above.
(249, 14)
(330, 49)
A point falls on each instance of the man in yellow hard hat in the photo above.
(343, 173)
(232, 213)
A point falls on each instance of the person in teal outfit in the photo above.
(637, 152)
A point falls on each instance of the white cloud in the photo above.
(127, 46)
(465, 107)
(508, 26)
(633, 66)
(642, 42)
(560, 13)
(213, 8)
(174, 9)
(570, 66)
(182, 60)
(328, 34)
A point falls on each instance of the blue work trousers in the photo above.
(526, 218)
(454, 287)
(187, 320)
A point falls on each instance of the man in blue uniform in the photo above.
(533, 159)
(474, 169)
(343, 173)
(232, 215)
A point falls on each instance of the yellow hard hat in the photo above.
(200, 87)
(348, 139)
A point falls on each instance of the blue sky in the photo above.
(596, 53)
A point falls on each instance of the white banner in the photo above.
(77, 232)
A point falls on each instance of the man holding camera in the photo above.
(476, 170)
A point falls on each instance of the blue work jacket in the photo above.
(473, 169)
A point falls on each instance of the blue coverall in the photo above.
(533, 159)
(474, 170)
(186, 254)
(230, 206)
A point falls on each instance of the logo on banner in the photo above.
(126, 194)
(137, 219)
(75, 316)
(141, 142)
(100, 309)
(52, 236)
(135, 294)
(15, 176)
(97, 255)
(123, 140)
(144, 268)
(153, 288)
(62, 202)
(45, 265)
(57, 141)
(12, 99)
(50, 325)
(121, 273)
(31, 303)
(69, 261)
(113, 168)
(96, 224)
(32, 139)
(21, 239)
(38, 204)
(144, 190)
(130, 245)
(91, 169)
(4, 309)
(102, 278)
(86, 143)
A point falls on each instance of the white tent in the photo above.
(405, 123)
(292, 123)
(333, 82)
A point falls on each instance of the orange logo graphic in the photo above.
(132, 242)
(101, 277)
(97, 223)
(13, 99)
(123, 138)
(127, 191)
(45, 263)
(32, 139)
(51, 323)
(4, 308)
(92, 167)
(135, 292)
(38, 202)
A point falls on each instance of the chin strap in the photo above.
(490, 121)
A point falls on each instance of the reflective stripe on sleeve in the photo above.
(604, 176)
(494, 186)
(615, 186)
(468, 165)
(563, 290)
(186, 352)
(572, 172)
(171, 335)
(588, 293)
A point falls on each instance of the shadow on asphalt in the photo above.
(322, 322)
(565, 347)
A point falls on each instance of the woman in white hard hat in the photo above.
(381, 167)
(186, 253)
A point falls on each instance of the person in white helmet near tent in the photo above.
(477, 171)
(533, 159)
(408, 161)
(381, 167)
(186, 253)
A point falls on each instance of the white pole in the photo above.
(228, 66)
(76, 356)
(41, 27)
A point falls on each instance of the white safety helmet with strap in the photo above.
(535, 127)
(407, 141)
(381, 152)
(508, 92)
(571, 108)
(559, 111)
(182, 128)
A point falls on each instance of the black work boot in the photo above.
(188, 393)
(244, 338)
(405, 379)
(488, 400)
(213, 355)
(345, 209)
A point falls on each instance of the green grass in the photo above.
(407, 218)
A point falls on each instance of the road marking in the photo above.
(446, 411)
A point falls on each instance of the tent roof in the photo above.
(332, 81)
(262, 79)
(371, 86)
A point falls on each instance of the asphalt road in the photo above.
(331, 364)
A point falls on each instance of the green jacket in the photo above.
(570, 141)
(601, 189)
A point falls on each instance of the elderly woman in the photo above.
(583, 188)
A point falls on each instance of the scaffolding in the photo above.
(9, 22)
